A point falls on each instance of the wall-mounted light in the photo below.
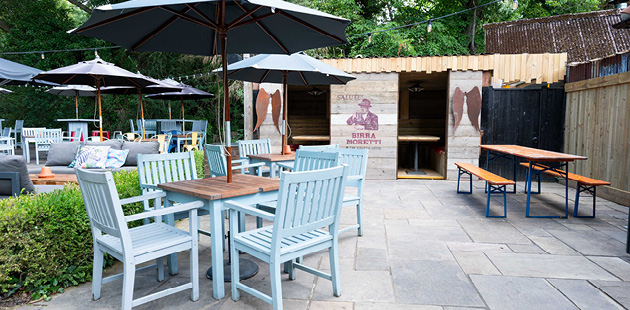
(416, 88)
(315, 91)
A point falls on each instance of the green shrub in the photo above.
(199, 162)
(46, 240)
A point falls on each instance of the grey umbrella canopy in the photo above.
(95, 73)
(201, 27)
(158, 87)
(188, 93)
(74, 90)
(294, 69)
(13, 73)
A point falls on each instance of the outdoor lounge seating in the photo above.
(584, 184)
(136, 245)
(496, 184)
(15, 177)
(292, 235)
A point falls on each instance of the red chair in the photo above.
(96, 133)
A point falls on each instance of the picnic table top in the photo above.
(531, 154)
(218, 187)
(273, 157)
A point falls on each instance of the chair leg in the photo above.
(129, 275)
(36, 156)
(359, 220)
(333, 254)
(276, 287)
(194, 265)
(171, 260)
(159, 262)
(236, 277)
(97, 273)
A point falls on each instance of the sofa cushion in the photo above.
(136, 148)
(96, 158)
(116, 158)
(62, 154)
(15, 163)
(113, 144)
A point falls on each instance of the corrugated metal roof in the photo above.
(583, 36)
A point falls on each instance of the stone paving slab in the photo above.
(514, 293)
(427, 248)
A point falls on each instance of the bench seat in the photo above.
(585, 184)
(496, 183)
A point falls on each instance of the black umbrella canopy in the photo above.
(193, 26)
(202, 27)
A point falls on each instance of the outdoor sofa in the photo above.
(61, 155)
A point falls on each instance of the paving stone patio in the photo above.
(426, 247)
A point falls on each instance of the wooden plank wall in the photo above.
(529, 68)
(382, 91)
(598, 126)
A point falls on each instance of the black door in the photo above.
(527, 117)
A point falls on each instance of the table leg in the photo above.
(216, 249)
(171, 260)
(272, 173)
(529, 188)
(415, 158)
(566, 190)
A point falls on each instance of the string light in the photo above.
(58, 51)
(43, 56)
(370, 38)
(515, 4)
(429, 27)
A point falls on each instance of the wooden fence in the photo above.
(597, 126)
(529, 68)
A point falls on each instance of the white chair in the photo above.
(308, 202)
(136, 245)
(19, 124)
(7, 145)
(44, 138)
(74, 136)
(26, 136)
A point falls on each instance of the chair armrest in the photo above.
(164, 211)
(149, 186)
(240, 161)
(144, 197)
(233, 205)
(288, 166)
(255, 165)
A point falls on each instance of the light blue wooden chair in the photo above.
(154, 169)
(136, 245)
(217, 162)
(356, 159)
(253, 147)
(318, 148)
(308, 202)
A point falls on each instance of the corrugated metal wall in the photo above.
(598, 68)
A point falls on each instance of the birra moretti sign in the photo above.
(365, 122)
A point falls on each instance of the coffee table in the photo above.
(58, 179)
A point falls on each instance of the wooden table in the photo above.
(415, 139)
(58, 179)
(246, 189)
(533, 155)
(271, 160)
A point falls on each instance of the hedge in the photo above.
(46, 240)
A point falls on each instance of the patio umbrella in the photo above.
(294, 69)
(13, 73)
(201, 27)
(158, 87)
(188, 93)
(95, 73)
(74, 90)
(4, 91)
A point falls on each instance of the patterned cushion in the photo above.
(116, 158)
(96, 158)
(76, 156)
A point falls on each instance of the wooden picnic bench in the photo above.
(496, 184)
(584, 184)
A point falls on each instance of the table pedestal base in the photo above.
(246, 267)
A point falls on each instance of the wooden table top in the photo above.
(310, 138)
(419, 138)
(58, 179)
(273, 157)
(218, 188)
(532, 154)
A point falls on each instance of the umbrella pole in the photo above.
(226, 96)
(169, 109)
(141, 112)
(183, 119)
(100, 112)
(76, 105)
(285, 94)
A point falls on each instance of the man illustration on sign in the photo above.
(364, 119)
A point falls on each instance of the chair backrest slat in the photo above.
(356, 159)
(308, 200)
(318, 148)
(312, 160)
(154, 169)
(253, 147)
(217, 163)
(103, 205)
